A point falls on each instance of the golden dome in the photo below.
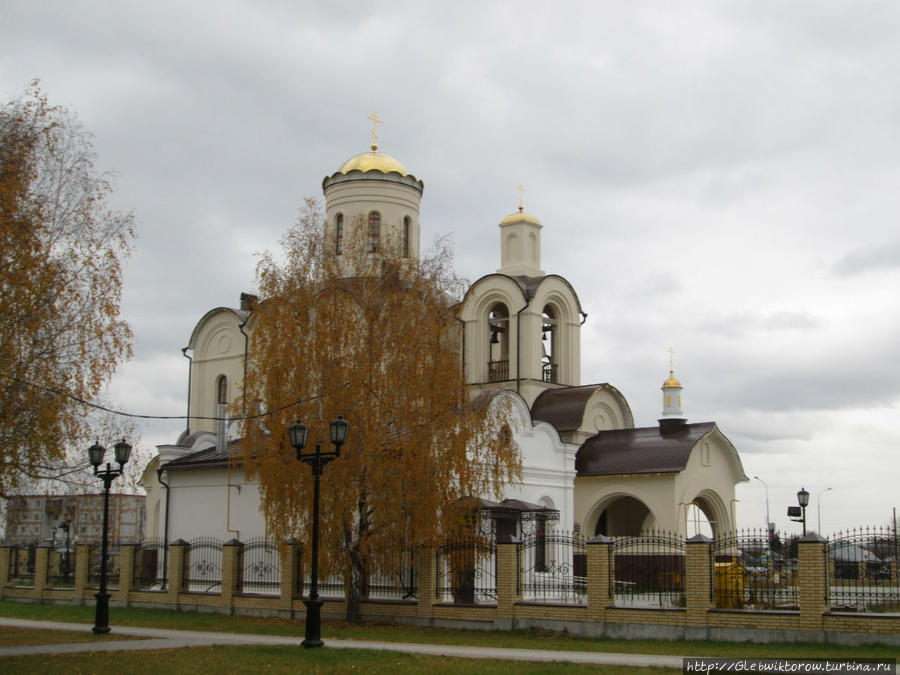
(518, 217)
(373, 161)
(672, 382)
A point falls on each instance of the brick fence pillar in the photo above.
(290, 553)
(812, 583)
(507, 579)
(232, 562)
(82, 568)
(178, 550)
(697, 579)
(6, 553)
(41, 569)
(426, 569)
(126, 573)
(599, 576)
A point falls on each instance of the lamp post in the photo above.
(66, 526)
(770, 526)
(819, 509)
(803, 501)
(317, 460)
(108, 475)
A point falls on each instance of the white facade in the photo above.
(521, 340)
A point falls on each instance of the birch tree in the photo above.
(61, 248)
(372, 337)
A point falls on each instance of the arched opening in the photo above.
(550, 344)
(697, 521)
(625, 516)
(374, 238)
(498, 345)
(339, 234)
(222, 389)
(706, 515)
(406, 227)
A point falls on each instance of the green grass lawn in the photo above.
(251, 659)
(523, 639)
(18, 637)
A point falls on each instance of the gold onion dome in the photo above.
(519, 216)
(672, 382)
(373, 161)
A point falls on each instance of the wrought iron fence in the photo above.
(331, 586)
(401, 583)
(260, 567)
(60, 569)
(753, 569)
(150, 558)
(21, 565)
(648, 570)
(553, 568)
(203, 565)
(112, 565)
(862, 570)
(467, 571)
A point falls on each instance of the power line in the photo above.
(122, 413)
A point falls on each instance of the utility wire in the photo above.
(121, 413)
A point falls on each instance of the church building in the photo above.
(586, 468)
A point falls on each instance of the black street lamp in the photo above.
(803, 501)
(317, 460)
(95, 453)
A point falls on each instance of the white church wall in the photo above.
(200, 505)
(593, 494)
(218, 349)
(711, 473)
(548, 463)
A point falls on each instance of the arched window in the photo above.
(339, 234)
(222, 389)
(550, 340)
(374, 231)
(406, 236)
(498, 347)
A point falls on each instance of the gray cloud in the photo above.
(717, 178)
(883, 256)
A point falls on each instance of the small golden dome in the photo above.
(518, 217)
(672, 382)
(373, 161)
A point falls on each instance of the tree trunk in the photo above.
(355, 590)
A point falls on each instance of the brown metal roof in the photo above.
(643, 450)
(564, 408)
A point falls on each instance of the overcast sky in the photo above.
(717, 177)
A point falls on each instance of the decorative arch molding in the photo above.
(488, 290)
(720, 441)
(226, 315)
(713, 506)
(553, 285)
(219, 341)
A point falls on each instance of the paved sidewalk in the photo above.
(160, 638)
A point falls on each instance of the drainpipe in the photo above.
(224, 434)
(159, 473)
(184, 353)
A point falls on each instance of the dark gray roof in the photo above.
(208, 457)
(644, 450)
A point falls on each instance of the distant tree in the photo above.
(371, 336)
(61, 249)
